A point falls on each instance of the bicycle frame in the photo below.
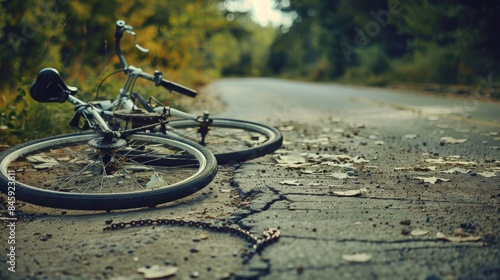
(49, 87)
(123, 100)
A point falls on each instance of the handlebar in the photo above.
(121, 28)
(169, 85)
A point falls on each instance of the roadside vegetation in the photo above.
(369, 42)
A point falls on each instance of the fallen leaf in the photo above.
(453, 157)
(432, 180)
(488, 174)
(419, 232)
(156, 181)
(349, 192)
(451, 162)
(281, 152)
(295, 166)
(359, 159)
(460, 232)
(339, 175)
(410, 136)
(286, 128)
(492, 133)
(347, 166)
(156, 271)
(291, 159)
(402, 168)
(290, 183)
(45, 165)
(203, 236)
(41, 159)
(357, 258)
(424, 168)
(310, 171)
(456, 170)
(451, 140)
(312, 157)
(442, 236)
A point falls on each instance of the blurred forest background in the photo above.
(370, 42)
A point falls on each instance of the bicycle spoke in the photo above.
(131, 176)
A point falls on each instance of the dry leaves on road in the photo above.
(291, 183)
(431, 180)
(349, 193)
(357, 258)
(419, 232)
(410, 136)
(487, 174)
(442, 236)
(456, 170)
(340, 175)
(158, 272)
(451, 140)
(450, 161)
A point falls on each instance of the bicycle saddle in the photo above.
(50, 87)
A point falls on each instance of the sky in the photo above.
(263, 12)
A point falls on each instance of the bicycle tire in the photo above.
(80, 190)
(224, 152)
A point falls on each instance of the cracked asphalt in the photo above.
(367, 185)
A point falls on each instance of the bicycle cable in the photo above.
(103, 80)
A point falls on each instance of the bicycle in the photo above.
(230, 140)
(116, 167)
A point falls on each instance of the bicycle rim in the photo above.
(231, 140)
(65, 172)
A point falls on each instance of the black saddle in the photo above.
(50, 87)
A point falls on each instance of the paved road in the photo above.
(262, 98)
(398, 137)
(383, 147)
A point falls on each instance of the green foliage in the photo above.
(22, 119)
(187, 41)
(373, 66)
(372, 42)
(430, 64)
(385, 41)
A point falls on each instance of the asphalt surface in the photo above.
(352, 192)
(399, 136)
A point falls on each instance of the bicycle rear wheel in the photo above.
(231, 140)
(67, 171)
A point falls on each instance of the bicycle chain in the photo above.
(269, 235)
(142, 128)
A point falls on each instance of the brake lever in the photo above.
(130, 30)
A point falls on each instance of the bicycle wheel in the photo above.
(67, 171)
(231, 140)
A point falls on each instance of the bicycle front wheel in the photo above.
(231, 140)
(67, 171)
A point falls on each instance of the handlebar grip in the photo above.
(120, 28)
(171, 86)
